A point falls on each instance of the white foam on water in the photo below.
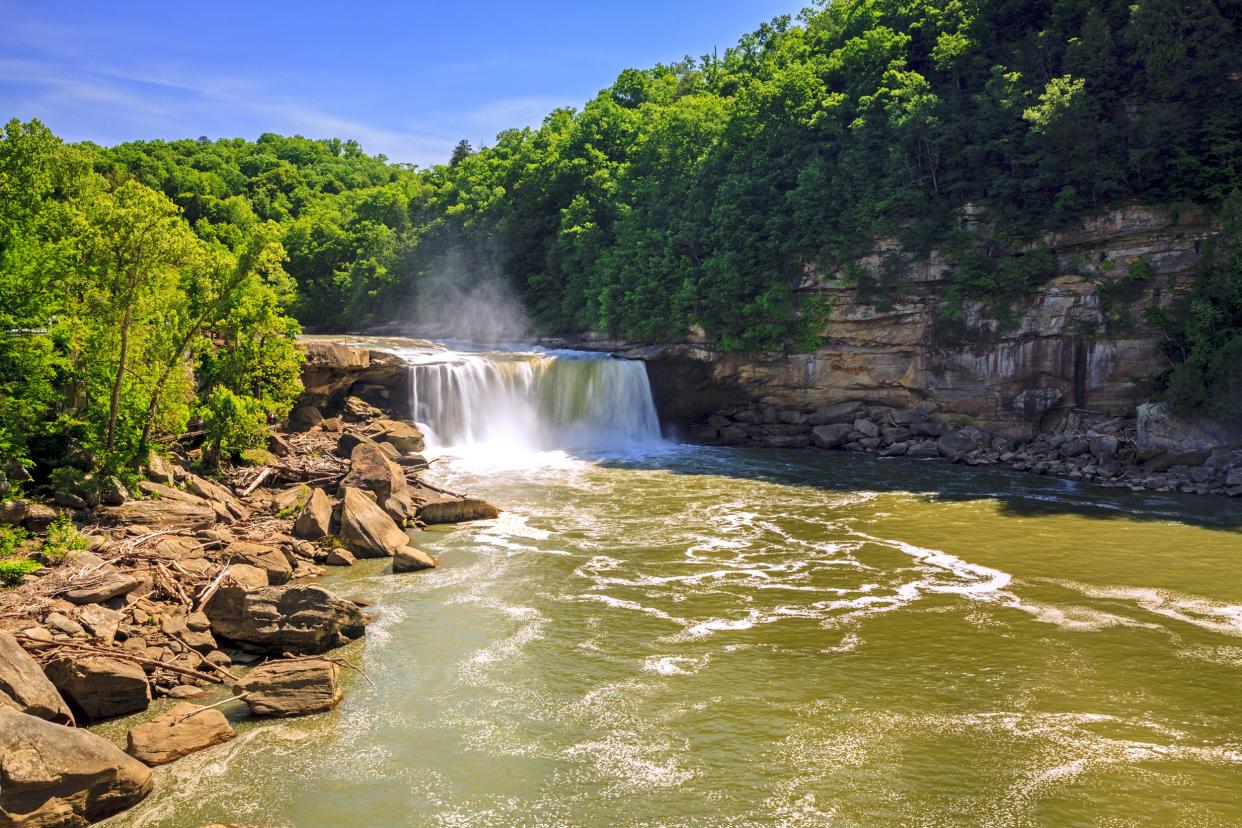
(673, 665)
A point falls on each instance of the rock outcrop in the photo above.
(371, 470)
(53, 776)
(1073, 344)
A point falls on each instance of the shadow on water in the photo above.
(1019, 494)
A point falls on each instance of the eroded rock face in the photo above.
(98, 687)
(161, 514)
(403, 436)
(1011, 380)
(448, 509)
(52, 776)
(185, 729)
(372, 470)
(290, 688)
(294, 619)
(24, 687)
(366, 529)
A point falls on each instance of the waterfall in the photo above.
(532, 401)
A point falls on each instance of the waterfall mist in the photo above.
(467, 298)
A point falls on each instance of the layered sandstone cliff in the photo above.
(1074, 345)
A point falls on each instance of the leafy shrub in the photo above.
(233, 423)
(12, 570)
(62, 538)
(10, 538)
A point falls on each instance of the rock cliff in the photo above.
(1078, 341)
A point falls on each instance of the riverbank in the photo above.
(191, 582)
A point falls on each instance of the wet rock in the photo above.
(845, 412)
(291, 688)
(831, 436)
(98, 687)
(441, 508)
(24, 687)
(925, 448)
(930, 428)
(53, 776)
(894, 434)
(409, 559)
(315, 519)
(786, 440)
(185, 729)
(267, 558)
(867, 428)
(340, 557)
(894, 450)
(291, 618)
(955, 446)
(1103, 447)
(99, 580)
(366, 529)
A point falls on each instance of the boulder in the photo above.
(340, 557)
(955, 446)
(13, 512)
(100, 622)
(185, 729)
(292, 498)
(24, 687)
(845, 412)
(216, 494)
(112, 491)
(159, 469)
(452, 509)
(370, 469)
(267, 558)
(867, 428)
(38, 517)
(315, 519)
(305, 417)
(355, 408)
(290, 688)
(831, 436)
(366, 529)
(410, 559)
(1103, 447)
(291, 618)
(94, 580)
(348, 441)
(99, 687)
(53, 776)
(404, 437)
(279, 446)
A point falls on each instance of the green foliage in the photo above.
(13, 566)
(1203, 330)
(62, 538)
(11, 537)
(12, 570)
(117, 317)
(233, 423)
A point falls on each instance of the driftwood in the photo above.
(52, 648)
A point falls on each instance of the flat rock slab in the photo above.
(63, 776)
(185, 729)
(291, 688)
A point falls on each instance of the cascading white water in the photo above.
(532, 401)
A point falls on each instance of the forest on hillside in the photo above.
(157, 281)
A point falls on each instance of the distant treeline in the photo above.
(684, 197)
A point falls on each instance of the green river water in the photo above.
(692, 636)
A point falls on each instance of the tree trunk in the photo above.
(120, 377)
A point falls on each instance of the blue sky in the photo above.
(405, 79)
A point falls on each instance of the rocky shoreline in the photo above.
(192, 582)
(1153, 450)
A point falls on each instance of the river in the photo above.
(655, 634)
